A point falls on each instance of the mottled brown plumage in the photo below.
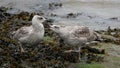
(30, 35)
(76, 36)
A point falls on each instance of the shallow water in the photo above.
(106, 9)
(99, 10)
(16, 6)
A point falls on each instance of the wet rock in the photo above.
(73, 15)
(54, 5)
(58, 4)
(114, 18)
(53, 15)
(91, 17)
(93, 50)
(3, 9)
(6, 14)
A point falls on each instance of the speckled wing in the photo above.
(22, 32)
(81, 31)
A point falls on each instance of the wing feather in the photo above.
(22, 32)
(81, 31)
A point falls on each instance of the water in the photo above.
(106, 8)
(112, 1)
(16, 6)
(99, 10)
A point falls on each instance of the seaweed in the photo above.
(49, 53)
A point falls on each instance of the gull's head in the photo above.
(38, 18)
(55, 28)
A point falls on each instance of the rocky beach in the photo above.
(101, 16)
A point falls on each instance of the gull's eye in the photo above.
(40, 18)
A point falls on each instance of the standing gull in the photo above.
(76, 36)
(30, 35)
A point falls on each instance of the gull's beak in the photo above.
(45, 19)
(49, 20)
(51, 27)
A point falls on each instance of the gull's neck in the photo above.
(37, 26)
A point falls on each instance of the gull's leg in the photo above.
(21, 48)
(78, 49)
(79, 55)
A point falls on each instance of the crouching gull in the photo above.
(76, 36)
(30, 35)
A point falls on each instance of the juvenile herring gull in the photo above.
(76, 36)
(30, 35)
